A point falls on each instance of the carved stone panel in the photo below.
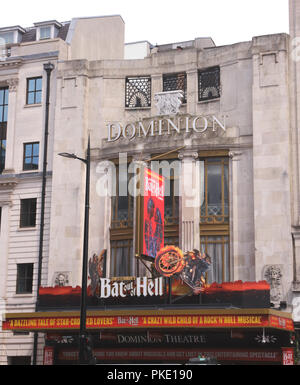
(61, 278)
(273, 275)
(13, 84)
(168, 103)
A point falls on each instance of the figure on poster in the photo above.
(153, 229)
(96, 265)
(158, 234)
(197, 264)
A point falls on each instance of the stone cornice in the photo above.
(8, 183)
(15, 63)
(7, 186)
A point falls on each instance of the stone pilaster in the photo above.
(11, 119)
(4, 248)
(192, 94)
(189, 206)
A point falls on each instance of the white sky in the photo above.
(162, 21)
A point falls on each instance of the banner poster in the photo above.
(287, 356)
(153, 222)
(97, 268)
(48, 355)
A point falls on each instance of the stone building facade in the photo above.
(233, 136)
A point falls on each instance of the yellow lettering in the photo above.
(249, 319)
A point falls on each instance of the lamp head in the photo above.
(67, 155)
(48, 67)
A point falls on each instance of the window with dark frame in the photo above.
(171, 200)
(31, 156)
(121, 254)
(34, 90)
(24, 278)
(3, 125)
(138, 92)
(169, 168)
(209, 87)
(28, 213)
(214, 215)
(19, 360)
(174, 82)
(121, 232)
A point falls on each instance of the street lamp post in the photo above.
(83, 332)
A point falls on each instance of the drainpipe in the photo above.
(294, 259)
(48, 68)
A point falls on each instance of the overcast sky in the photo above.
(162, 21)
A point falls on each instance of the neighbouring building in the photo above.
(220, 123)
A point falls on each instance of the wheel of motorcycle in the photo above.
(169, 261)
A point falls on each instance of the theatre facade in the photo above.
(206, 263)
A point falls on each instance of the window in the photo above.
(31, 156)
(138, 92)
(214, 216)
(175, 82)
(170, 169)
(121, 232)
(24, 278)
(34, 90)
(122, 202)
(209, 84)
(45, 33)
(3, 125)
(121, 255)
(28, 213)
(171, 198)
(214, 195)
(8, 37)
(19, 360)
(217, 247)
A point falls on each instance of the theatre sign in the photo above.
(180, 124)
(140, 286)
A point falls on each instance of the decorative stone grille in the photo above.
(175, 82)
(209, 84)
(138, 92)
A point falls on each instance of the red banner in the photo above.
(154, 213)
(48, 355)
(151, 321)
(287, 356)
